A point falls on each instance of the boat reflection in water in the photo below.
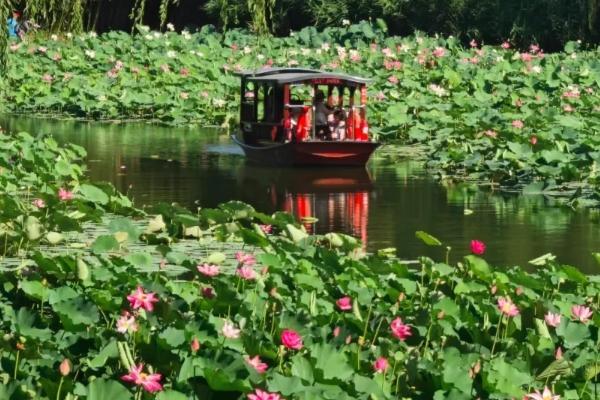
(337, 197)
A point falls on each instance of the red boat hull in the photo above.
(346, 153)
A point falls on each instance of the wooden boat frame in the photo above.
(266, 135)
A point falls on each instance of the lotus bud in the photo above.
(264, 270)
(336, 331)
(519, 291)
(208, 292)
(348, 339)
(401, 297)
(493, 289)
(273, 292)
(361, 341)
(558, 354)
(441, 314)
(20, 346)
(65, 367)
(195, 345)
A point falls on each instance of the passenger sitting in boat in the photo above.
(338, 131)
(322, 113)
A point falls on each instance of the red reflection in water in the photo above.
(336, 212)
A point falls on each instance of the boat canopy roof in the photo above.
(299, 75)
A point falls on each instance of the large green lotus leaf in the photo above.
(506, 378)
(122, 224)
(77, 311)
(172, 337)
(221, 380)
(171, 395)
(35, 289)
(104, 244)
(104, 389)
(332, 362)
(108, 351)
(302, 368)
(573, 333)
(93, 194)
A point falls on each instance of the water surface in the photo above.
(383, 205)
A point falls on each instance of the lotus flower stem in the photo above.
(16, 364)
(496, 337)
(62, 378)
(377, 331)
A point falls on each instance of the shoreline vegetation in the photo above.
(255, 308)
(517, 118)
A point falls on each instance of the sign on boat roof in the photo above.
(293, 75)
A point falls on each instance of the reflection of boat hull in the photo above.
(332, 153)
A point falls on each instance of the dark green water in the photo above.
(383, 205)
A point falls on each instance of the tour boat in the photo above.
(279, 112)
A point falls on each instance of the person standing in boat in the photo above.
(322, 113)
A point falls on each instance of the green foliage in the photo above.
(60, 305)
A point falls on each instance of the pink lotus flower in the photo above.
(491, 134)
(546, 395)
(113, 73)
(47, 78)
(64, 194)
(184, 95)
(209, 269)
(568, 108)
(473, 43)
(381, 364)
(267, 229)
(393, 79)
(534, 48)
(119, 65)
(477, 247)
(400, 330)
(126, 323)
(245, 258)
(39, 203)
(140, 299)
(291, 339)
(581, 313)
(387, 52)
(56, 57)
(507, 307)
(42, 49)
(195, 345)
(505, 45)
(380, 96)
(344, 303)
(439, 52)
(552, 319)
(246, 273)
(533, 140)
(256, 363)
(184, 72)
(230, 331)
(150, 382)
(260, 395)
(526, 57)
(518, 124)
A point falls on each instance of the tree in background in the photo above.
(5, 12)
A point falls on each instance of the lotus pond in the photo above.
(383, 206)
(513, 117)
(257, 308)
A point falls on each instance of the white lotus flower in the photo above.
(345, 22)
(170, 27)
(171, 54)
(90, 53)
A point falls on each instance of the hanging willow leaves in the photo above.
(5, 10)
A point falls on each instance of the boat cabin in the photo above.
(280, 105)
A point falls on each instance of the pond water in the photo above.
(383, 205)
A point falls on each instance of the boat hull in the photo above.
(333, 153)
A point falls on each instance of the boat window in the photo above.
(248, 103)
